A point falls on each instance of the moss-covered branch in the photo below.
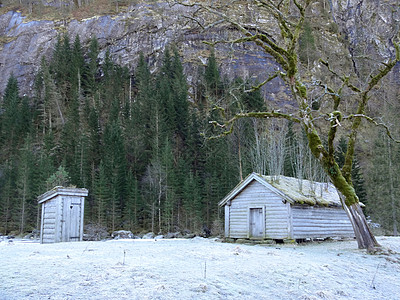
(227, 126)
(270, 78)
(356, 122)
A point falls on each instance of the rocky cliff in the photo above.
(149, 27)
(146, 28)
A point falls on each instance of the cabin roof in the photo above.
(65, 191)
(293, 190)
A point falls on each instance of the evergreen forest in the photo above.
(139, 141)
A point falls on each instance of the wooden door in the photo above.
(71, 219)
(256, 220)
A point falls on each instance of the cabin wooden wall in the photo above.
(320, 222)
(255, 195)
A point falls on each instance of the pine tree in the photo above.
(192, 203)
(115, 168)
(180, 97)
(91, 69)
(290, 155)
(211, 75)
(169, 199)
(11, 128)
(9, 220)
(383, 191)
(307, 49)
(356, 172)
(165, 96)
(101, 191)
(24, 186)
(134, 206)
(77, 68)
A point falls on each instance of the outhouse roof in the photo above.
(65, 191)
(292, 190)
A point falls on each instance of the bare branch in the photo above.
(194, 20)
(376, 123)
(361, 110)
(270, 78)
(344, 79)
(258, 115)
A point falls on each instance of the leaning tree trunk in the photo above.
(364, 236)
(347, 194)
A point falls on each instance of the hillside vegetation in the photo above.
(137, 137)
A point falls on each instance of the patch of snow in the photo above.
(198, 268)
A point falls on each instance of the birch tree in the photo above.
(277, 33)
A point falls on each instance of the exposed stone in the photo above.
(122, 234)
(173, 235)
(93, 232)
(189, 236)
(148, 236)
(35, 234)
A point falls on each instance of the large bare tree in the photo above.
(342, 95)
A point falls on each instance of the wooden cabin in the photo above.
(288, 208)
(62, 215)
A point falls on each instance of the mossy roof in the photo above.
(59, 190)
(293, 190)
(305, 191)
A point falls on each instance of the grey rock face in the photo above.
(146, 28)
(149, 27)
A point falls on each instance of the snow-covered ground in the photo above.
(196, 269)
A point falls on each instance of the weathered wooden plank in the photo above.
(49, 217)
(281, 216)
(300, 222)
(325, 231)
(324, 215)
(227, 220)
(316, 210)
(322, 229)
(49, 226)
(48, 231)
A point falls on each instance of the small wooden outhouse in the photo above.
(288, 208)
(62, 215)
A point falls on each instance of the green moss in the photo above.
(314, 142)
(6, 39)
(345, 188)
(337, 115)
(301, 89)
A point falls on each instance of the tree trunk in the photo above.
(364, 236)
(391, 186)
(240, 160)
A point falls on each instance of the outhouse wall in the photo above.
(62, 215)
(50, 229)
(254, 196)
(320, 222)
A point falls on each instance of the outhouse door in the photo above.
(256, 223)
(71, 222)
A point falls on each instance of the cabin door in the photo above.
(256, 219)
(71, 219)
